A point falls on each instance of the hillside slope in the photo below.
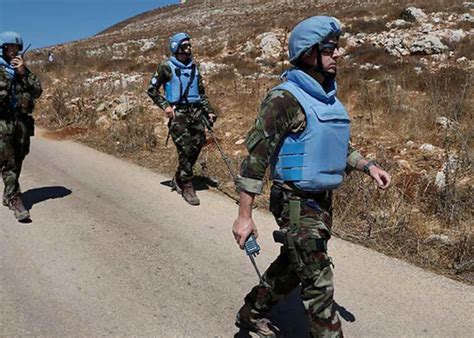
(405, 78)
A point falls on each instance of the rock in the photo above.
(249, 47)
(439, 238)
(121, 111)
(147, 46)
(440, 180)
(413, 14)
(228, 134)
(466, 17)
(103, 122)
(427, 44)
(443, 122)
(426, 147)
(453, 35)
(239, 142)
(399, 23)
(403, 164)
(463, 60)
(410, 144)
(270, 45)
(468, 4)
(101, 108)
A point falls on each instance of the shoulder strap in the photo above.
(191, 80)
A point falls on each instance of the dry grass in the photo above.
(389, 106)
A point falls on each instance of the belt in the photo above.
(317, 196)
(184, 106)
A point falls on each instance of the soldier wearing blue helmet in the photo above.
(19, 88)
(302, 133)
(185, 104)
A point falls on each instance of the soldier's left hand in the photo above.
(212, 118)
(19, 65)
(380, 176)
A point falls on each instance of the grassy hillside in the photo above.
(411, 106)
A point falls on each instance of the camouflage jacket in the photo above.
(280, 113)
(23, 90)
(161, 76)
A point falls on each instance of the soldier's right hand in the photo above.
(169, 111)
(243, 227)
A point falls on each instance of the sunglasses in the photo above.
(185, 45)
(328, 47)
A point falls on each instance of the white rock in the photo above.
(242, 140)
(414, 14)
(249, 47)
(101, 108)
(404, 164)
(466, 17)
(397, 23)
(147, 46)
(439, 238)
(427, 44)
(443, 122)
(270, 45)
(121, 111)
(440, 180)
(462, 59)
(426, 147)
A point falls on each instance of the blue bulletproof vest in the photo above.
(315, 159)
(181, 75)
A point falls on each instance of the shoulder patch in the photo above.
(154, 81)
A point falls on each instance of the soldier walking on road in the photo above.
(19, 88)
(185, 104)
(302, 132)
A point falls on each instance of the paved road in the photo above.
(111, 251)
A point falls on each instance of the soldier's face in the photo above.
(10, 51)
(329, 55)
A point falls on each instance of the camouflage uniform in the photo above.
(18, 99)
(187, 129)
(304, 220)
(7, 128)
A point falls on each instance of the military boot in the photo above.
(16, 204)
(189, 194)
(177, 185)
(252, 321)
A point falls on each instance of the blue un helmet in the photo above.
(309, 33)
(176, 40)
(11, 38)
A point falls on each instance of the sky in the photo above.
(49, 22)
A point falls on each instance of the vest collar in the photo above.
(8, 68)
(310, 85)
(179, 64)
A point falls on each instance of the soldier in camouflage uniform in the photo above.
(185, 104)
(302, 133)
(19, 88)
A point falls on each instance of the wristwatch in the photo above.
(368, 165)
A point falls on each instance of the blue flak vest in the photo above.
(315, 159)
(181, 75)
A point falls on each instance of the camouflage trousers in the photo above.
(189, 135)
(9, 162)
(306, 227)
